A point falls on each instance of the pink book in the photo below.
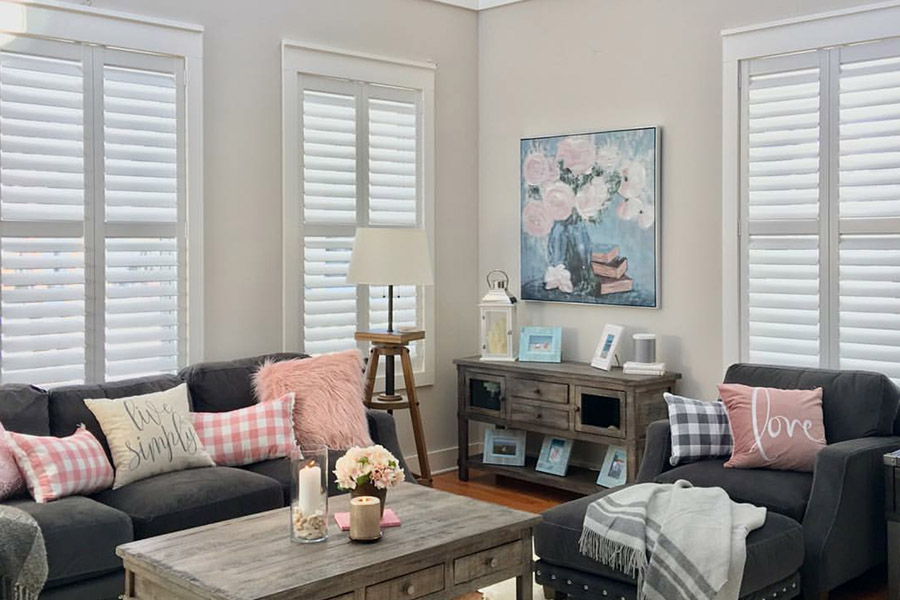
(388, 519)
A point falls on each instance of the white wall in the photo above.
(242, 169)
(555, 66)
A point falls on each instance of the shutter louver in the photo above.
(329, 302)
(870, 138)
(41, 138)
(870, 303)
(783, 145)
(42, 317)
(142, 305)
(393, 188)
(783, 300)
(140, 145)
(329, 158)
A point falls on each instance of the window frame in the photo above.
(815, 32)
(151, 40)
(302, 59)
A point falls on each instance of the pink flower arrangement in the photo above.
(374, 465)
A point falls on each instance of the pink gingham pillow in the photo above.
(248, 435)
(58, 467)
(10, 478)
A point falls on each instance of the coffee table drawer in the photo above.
(486, 562)
(415, 585)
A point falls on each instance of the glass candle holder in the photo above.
(309, 493)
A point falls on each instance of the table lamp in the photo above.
(389, 256)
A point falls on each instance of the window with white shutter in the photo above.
(820, 224)
(354, 157)
(359, 153)
(92, 213)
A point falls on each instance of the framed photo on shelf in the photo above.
(554, 458)
(504, 447)
(614, 471)
(606, 349)
(540, 344)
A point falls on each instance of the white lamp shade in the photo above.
(387, 256)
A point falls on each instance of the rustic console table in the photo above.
(569, 399)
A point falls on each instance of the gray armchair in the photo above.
(841, 504)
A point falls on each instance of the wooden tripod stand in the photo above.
(389, 344)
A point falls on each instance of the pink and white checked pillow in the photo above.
(58, 467)
(248, 435)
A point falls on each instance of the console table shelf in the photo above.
(571, 400)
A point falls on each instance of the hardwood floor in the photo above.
(529, 497)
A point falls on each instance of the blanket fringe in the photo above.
(11, 591)
(613, 554)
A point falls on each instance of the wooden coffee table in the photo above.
(447, 546)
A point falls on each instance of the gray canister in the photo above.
(644, 347)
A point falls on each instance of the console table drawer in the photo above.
(539, 414)
(486, 562)
(539, 390)
(415, 585)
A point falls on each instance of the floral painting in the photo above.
(590, 208)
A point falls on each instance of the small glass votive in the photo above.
(309, 493)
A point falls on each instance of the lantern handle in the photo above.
(505, 279)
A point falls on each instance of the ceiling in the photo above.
(478, 4)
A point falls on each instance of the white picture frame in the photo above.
(615, 467)
(504, 447)
(606, 349)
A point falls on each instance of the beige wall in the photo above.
(242, 168)
(555, 66)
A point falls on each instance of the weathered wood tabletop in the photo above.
(446, 546)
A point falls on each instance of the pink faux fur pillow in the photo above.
(329, 397)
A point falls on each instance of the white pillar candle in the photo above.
(365, 518)
(310, 492)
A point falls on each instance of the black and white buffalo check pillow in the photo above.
(699, 429)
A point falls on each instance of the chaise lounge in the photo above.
(828, 525)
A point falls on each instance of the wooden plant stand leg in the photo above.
(371, 375)
(415, 417)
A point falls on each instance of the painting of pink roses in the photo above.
(590, 218)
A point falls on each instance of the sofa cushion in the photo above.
(784, 492)
(226, 386)
(855, 403)
(279, 469)
(184, 499)
(68, 410)
(23, 409)
(774, 551)
(81, 536)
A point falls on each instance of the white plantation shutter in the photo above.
(92, 227)
(821, 224)
(360, 156)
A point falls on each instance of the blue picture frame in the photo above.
(540, 344)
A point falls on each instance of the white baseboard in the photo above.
(442, 461)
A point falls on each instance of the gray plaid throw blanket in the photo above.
(23, 558)
(676, 540)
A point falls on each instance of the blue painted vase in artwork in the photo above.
(570, 244)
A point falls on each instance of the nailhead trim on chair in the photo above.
(553, 576)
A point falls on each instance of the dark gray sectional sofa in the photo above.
(82, 533)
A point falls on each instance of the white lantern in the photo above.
(498, 319)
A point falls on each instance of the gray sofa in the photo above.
(839, 507)
(82, 533)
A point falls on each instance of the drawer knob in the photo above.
(410, 589)
(492, 563)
